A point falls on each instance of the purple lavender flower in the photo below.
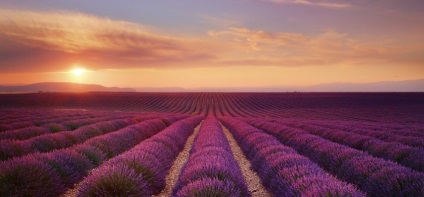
(114, 180)
(28, 176)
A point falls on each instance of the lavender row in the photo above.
(405, 135)
(39, 120)
(8, 130)
(140, 171)
(283, 171)
(33, 131)
(49, 142)
(375, 176)
(75, 124)
(12, 126)
(104, 147)
(64, 139)
(50, 174)
(380, 134)
(28, 114)
(407, 156)
(211, 169)
(398, 130)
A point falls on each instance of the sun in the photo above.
(78, 71)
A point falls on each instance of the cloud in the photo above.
(53, 41)
(320, 3)
(100, 42)
(294, 49)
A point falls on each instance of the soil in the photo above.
(253, 181)
(172, 177)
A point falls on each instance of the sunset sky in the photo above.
(219, 43)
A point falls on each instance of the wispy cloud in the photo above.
(52, 41)
(326, 4)
(294, 49)
(92, 39)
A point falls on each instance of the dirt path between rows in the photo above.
(253, 182)
(172, 177)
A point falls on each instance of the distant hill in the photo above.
(384, 86)
(61, 87)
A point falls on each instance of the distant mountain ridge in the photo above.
(61, 87)
(385, 86)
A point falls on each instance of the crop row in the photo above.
(211, 169)
(406, 155)
(386, 128)
(383, 128)
(140, 171)
(392, 145)
(375, 176)
(64, 139)
(10, 116)
(50, 174)
(43, 118)
(33, 131)
(283, 171)
(407, 137)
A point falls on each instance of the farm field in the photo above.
(212, 144)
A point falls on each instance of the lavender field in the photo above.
(212, 144)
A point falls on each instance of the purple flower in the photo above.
(28, 176)
(114, 180)
(209, 187)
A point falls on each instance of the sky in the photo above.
(204, 44)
